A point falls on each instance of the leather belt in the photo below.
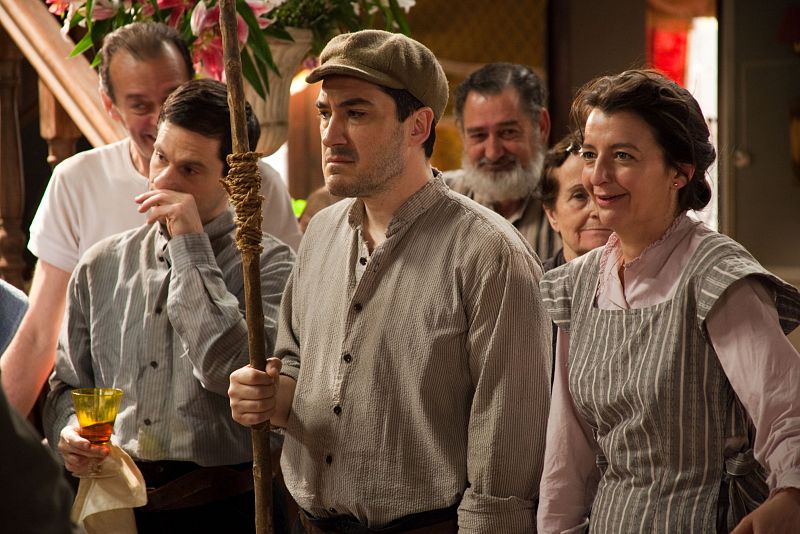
(441, 521)
(172, 485)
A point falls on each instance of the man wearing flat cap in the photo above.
(413, 355)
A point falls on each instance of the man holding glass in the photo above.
(158, 312)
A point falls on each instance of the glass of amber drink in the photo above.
(96, 409)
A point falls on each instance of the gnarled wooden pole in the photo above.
(243, 183)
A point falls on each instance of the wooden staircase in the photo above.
(69, 107)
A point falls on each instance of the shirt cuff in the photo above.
(487, 514)
(291, 368)
(789, 479)
(186, 250)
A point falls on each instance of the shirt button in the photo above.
(329, 459)
(153, 364)
(161, 258)
(337, 409)
(357, 307)
(158, 310)
(347, 358)
(147, 422)
(362, 261)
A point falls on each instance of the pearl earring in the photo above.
(674, 184)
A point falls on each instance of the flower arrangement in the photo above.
(198, 22)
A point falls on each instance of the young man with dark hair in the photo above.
(159, 313)
(413, 356)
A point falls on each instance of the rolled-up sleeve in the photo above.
(757, 357)
(509, 347)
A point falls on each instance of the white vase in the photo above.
(273, 113)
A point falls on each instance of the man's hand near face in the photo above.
(177, 211)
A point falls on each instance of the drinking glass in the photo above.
(96, 409)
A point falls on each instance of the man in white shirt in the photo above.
(90, 195)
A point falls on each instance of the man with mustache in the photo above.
(413, 357)
(504, 125)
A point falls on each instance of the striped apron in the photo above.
(675, 440)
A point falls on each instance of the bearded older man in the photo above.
(500, 110)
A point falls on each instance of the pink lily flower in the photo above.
(58, 7)
(106, 9)
(260, 8)
(179, 7)
(207, 48)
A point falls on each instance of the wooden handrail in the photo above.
(74, 83)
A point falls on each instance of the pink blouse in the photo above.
(742, 327)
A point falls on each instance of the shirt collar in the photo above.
(413, 207)
(651, 258)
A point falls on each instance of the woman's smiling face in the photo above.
(625, 173)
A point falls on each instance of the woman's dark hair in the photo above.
(201, 106)
(670, 110)
(555, 158)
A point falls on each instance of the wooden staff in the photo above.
(243, 184)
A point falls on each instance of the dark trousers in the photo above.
(443, 521)
(235, 514)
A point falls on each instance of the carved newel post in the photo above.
(12, 190)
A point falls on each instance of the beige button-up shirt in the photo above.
(422, 370)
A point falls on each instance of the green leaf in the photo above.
(83, 45)
(75, 20)
(387, 17)
(277, 32)
(89, 21)
(158, 15)
(348, 18)
(255, 37)
(96, 60)
(399, 17)
(251, 75)
(261, 69)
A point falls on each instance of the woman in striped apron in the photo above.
(675, 405)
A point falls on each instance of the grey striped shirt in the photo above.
(163, 321)
(423, 370)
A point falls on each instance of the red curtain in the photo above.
(667, 51)
(668, 25)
